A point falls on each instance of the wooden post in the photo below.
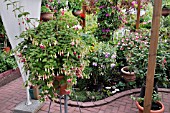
(138, 15)
(152, 54)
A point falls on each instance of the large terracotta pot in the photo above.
(47, 16)
(128, 76)
(140, 108)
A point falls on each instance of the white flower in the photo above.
(77, 27)
(112, 65)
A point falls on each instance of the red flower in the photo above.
(23, 60)
(42, 46)
(164, 61)
(82, 15)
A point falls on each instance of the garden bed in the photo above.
(9, 76)
(107, 100)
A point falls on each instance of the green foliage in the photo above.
(75, 4)
(155, 98)
(45, 9)
(7, 61)
(84, 96)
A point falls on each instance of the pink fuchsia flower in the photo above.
(19, 55)
(69, 80)
(62, 12)
(42, 46)
(144, 23)
(122, 40)
(118, 43)
(164, 61)
(121, 48)
(47, 5)
(23, 60)
(72, 43)
(136, 34)
(107, 15)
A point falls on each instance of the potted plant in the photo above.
(157, 105)
(134, 47)
(51, 50)
(34, 92)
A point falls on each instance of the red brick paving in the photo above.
(14, 93)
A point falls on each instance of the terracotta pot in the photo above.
(7, 49)
(140, 108)
(47, 16)
(59, 78)
(63, 91)
(165, 12)
(128, 76)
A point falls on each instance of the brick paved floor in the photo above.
(14, 93)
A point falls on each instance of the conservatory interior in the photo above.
(85, 56)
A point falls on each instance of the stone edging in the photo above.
(106, 100)
(9, 76)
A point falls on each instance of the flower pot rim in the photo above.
(123, 71)
(151, 111)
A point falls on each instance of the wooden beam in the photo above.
(157, 11)
(138, 15)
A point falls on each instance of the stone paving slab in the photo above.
(13, 93)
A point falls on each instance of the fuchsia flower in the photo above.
(62, 12)
(42, 46)
(23, 60)
(19, 55)
(164, 61)
(69, 80)
(72, 43)
(107, 15)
